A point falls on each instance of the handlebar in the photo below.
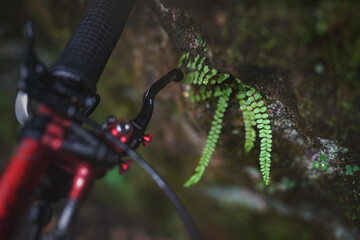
(90, 46)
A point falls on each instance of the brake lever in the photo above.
(132, 132)
(141, 121)
(143, 118)
(32, 68)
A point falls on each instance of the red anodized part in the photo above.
(147, 139)
(124, 166)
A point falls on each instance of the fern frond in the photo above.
(265, 134)
(250, 133)
(254, 113)
(250, 100)
(213, 137)
(249, 121)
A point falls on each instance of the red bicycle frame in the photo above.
(19, 182)
(27, 167)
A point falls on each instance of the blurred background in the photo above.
(317, 46)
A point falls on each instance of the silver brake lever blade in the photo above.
(22, 107)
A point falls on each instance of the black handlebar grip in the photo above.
(93, 41)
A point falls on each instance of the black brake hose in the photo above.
(189, 225)
(187, 221)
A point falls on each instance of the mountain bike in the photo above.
(61, 152)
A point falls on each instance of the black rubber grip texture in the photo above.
(93, 40)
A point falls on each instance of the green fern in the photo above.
(249, 121)
(213, 137)
(253, 109)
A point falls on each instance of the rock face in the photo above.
(294, 55)
(302, 56)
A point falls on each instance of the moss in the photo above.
(324, 66)
(347, 201)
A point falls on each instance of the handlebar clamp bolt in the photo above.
(123, 127)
